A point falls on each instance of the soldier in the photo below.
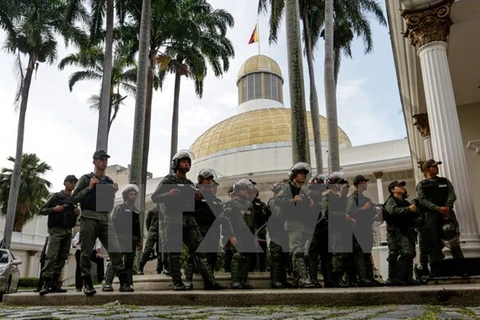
(239, 228)
(401, 235)
(96, 194)
(152, 240)
(177, 193)
(298, 210)
(436, 197)
(62, 217)
(206, 210)
(228, 249)
(319, 244)
(161, 238)
(362, 209)
(261, 227)
(279, 253)
(126, 222)
(334, 206)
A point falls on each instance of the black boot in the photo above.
(236, 271)
(392, 274)
(124, 287)
(313, 270)
(304, 280)
(275, 269)
(189, 273)
(47, 283)
(55, 287)
(410, 280)
(209, 281)
(176, 274)
(88, 288)
(109, 276)
(338, 280)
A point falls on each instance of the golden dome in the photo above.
(256, 127)
(259, 63)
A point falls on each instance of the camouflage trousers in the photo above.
(401, 252)
(152, 241)
(57, 252)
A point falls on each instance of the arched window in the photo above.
(251, 87)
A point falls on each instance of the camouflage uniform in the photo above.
(401, 238)
(152, 240)
(279, 252)
(126, 222)
(181, 226)
(239, 222)
(260, 222)
(362, 247)
(298, 217)
(60, 226)
(432, 194)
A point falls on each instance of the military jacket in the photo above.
(96, 203)
(322, 221)
(65, 219)
(398, 214)
(364, 218)
(152, 220)
(238, 218)
(275, 226)
(178, 205)
(126, 222)
(260, 214)
(206, 211)
(435, 193)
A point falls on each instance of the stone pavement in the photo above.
(118, 311)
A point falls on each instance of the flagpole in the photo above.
(258, 32)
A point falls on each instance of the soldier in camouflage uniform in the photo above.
(299, 212)
(334, 206)
(319, 244)
(228, 249)
(178, 194)
(152, 241)
(279, 252)
(62, 217)
(362, 209)
(126, 222)
(239, 228)
(206, 210)
(260, 222)
(401, 218)
(436, 196)
(96, 194)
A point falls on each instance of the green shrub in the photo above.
(28, 282)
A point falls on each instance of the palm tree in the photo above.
(33, 189)
(201, 41)
(300, 143)
(123, 75)
(100, 9)
(30, 27)
(330, 91)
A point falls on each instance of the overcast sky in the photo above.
(61, 129)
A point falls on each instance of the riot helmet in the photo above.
(242, 184)
(181, 155)
(276, 187)
(129, 188)
(206, 173)
(450, 234)
(337, 177)
(299, 167)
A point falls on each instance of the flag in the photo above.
(254, 37)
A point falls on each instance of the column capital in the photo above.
(428, 25)
(378, 174)
(422, 125)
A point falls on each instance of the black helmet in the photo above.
(205, 174)
(299, 167)
(180, 155)
(337, 177)
(277, 187)
(242, 184)
(318, 182)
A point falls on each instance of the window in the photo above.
(3, 257)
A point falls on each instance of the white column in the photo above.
(427, 143)
(378, 177)
(447, 144)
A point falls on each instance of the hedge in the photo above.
(28, 282)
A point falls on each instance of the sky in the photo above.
(61, 129)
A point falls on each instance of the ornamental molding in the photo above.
(422, 125)
(428, 25)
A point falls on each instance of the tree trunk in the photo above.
(176, 100)
(104, 112)
(110, 106)
(140, 103)
(336, 65)
(17, 168)
(313, 97)
(300, 143)
(330, 92)
(146, 134)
